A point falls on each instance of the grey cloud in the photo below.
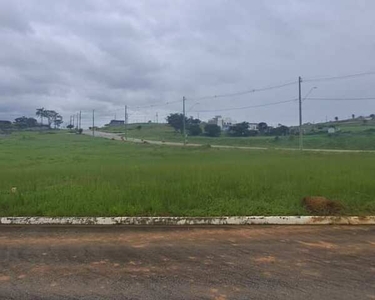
(80, 55)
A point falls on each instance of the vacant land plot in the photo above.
(66, 174)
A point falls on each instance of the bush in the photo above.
(195, 130)
(212, 130)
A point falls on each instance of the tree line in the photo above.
(53, 118)
(194, 128)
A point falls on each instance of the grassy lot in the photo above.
(356, 139)
(70, 175)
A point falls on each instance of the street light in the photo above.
(310, 91)
(196, 103)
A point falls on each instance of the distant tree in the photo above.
(53, 118)
(353, 116)
(57, 121)
(70, 126)
(40, 112)
(280, 130)
(372, 116)
(5, 124)
(240, 129)
(336, 119)
(195, 129)
(212, 130)
(25, 122)
(262, 127)
(192, 121)
(176, 121)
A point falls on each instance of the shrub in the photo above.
(212, 130)
(195, 129)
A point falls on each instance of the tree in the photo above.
(212, 130)
(336, 119)
(5, 124)
(280, 130)
(176, 121)
(195, 129)
(53, 118)
(262, 127)
(353, 116)
(372, 116)
(70, 126)
(57, 120)
(25, 122)
(240, 129)
(40, 112)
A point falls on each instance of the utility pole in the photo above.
(77, 120)
(300, 114)
(80, 119)
(183, 121)
(126, 122)
(73, 120)
(93, 122)
(70, 122)
(157, 118)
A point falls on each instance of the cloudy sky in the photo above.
(71, 55)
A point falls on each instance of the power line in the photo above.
(250, 106)
(156, 104)
(244, 92)
(342, 99)
(338, 77)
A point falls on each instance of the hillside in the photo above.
(352, 134)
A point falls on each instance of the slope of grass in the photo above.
(355, 139)
(70, 175)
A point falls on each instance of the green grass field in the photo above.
(353, 137)
(65, 174)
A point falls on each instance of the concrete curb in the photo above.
(241, 220)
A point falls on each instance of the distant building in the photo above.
(253, 126)
(116, 123)
(217, 120)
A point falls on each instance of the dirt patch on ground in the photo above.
(265, 259)
(322, 206)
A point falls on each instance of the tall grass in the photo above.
(70, 175)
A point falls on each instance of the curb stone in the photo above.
(238, 220)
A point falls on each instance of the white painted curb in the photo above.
(244, 220)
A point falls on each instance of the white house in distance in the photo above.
(253, 126)
(224, 124)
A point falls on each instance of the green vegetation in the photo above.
(65, 174)
(363, 139)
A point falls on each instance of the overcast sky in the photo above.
(71, 55)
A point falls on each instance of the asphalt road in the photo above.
(254, 262)
(115, 136)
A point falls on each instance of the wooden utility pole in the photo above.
(183, 121)
(126, 122)
(93, 122)
(300, 114)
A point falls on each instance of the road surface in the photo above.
(116, 136)
(219, 263)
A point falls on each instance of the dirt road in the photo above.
(118, 137)
(255, 262)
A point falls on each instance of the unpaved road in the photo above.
(115, 136)
(254, 262)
